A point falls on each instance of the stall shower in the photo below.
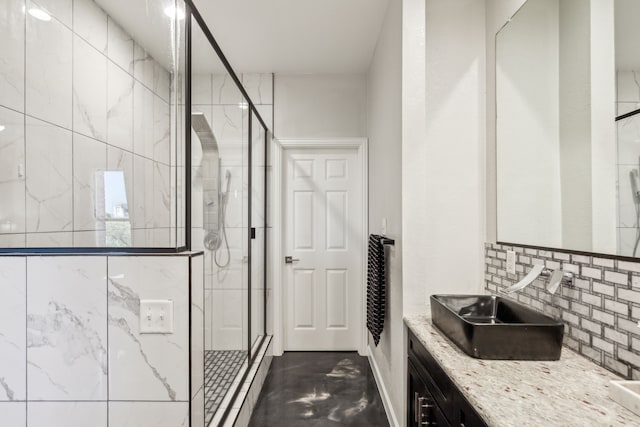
(220, 366)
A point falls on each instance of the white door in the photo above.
(323, 216)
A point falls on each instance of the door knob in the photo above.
(290, 259)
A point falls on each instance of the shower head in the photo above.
(201, 126)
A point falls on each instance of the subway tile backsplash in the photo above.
(601, 312)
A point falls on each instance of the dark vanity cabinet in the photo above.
(433, 399)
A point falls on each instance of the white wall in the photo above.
(320, 106)
(443, 172)
(384, 118)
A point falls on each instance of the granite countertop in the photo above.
(569, 392)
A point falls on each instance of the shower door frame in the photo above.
(192, 13)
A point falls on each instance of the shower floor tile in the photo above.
(221, 368)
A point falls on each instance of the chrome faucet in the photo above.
(556, 278)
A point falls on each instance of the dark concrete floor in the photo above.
(317, 389)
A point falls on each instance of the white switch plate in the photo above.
(156, 316)
(511, 262)
(383, 228)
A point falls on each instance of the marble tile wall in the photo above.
(72, 352)
(226, 288)
(628, 130)
(601, 312)
(80, 95)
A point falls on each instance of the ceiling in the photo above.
(282, 36)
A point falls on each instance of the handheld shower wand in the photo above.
(222, 226)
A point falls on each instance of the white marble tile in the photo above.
(147, 366)
(266, 112)
(141, 237)
(627, 107)
(60, 9)
(228, 331)
(12, 172)
(226, 125)
(13, 370)
(13, 240)
(90, 23)
(13, 414)
(161, 82)
(49, 68)
(120, 160)
(201, 89)
(89, 159)
(197, 324)
(161, 212)
(67, 414)
(160, 237)
(89, 90)
(626, 241)
(629, 141)
(62, 239)
(143, 66)
(119, 107)
(259, 87)
(161, 131)
(12, 22)
(90, 239)
(49, 177)
(67, 328)
(148, 414)
(143, 128)
(225, 90)
(208, 319)
(628, 86)
(197, 410)
(120, 46)
(143, 194)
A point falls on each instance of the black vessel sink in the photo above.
(490, 327)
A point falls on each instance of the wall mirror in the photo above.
(568, 128)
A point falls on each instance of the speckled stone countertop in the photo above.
(569, 392)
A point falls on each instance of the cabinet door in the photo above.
(422, 409)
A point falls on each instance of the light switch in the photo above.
(383, 228)
(511, 262)
(156, 316)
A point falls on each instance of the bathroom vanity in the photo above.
(433, 399)
(448, 387)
